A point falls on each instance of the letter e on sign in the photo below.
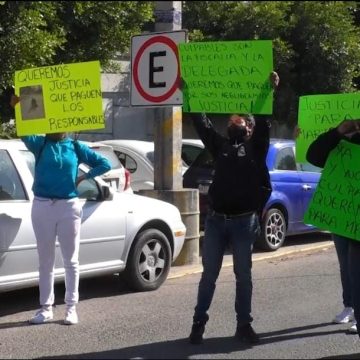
(155, 69)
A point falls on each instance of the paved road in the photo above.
(293, 245)
(295, 298)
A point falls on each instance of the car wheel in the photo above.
(273, 230)
(149, 261)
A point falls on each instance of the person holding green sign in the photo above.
(347, 249)
(56, 213)
(238, 193)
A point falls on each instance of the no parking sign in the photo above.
(155, 70)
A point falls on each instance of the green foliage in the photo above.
(98, 30)
(316, 43)
(40, 33)
(329, 55)
(28, 36)
(8, 130)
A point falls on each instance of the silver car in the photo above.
(137, 157)
(121, 232)
(118, 177)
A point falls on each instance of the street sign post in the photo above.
(155, 70)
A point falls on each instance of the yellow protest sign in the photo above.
(335, 205)
(59, 98)
(319, 113)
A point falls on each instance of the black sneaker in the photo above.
(247, 334)
(197, 331)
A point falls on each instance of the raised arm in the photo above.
(320, 148)
(206, 132)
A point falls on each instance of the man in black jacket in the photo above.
(348, 250)
(238, 193)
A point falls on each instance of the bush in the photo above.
(8, 130)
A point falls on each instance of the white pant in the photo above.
(59, 219)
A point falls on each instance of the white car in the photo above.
(118, 177)
(190, 150)
(121, 232)
(137, 156)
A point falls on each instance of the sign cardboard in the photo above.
(335, 205)
(59, 98)
(227, 76)
(319, 113)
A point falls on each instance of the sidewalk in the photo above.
(179, 271)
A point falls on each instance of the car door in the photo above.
(18, 254)
(102, 229)
(288, 186)
(310, 176)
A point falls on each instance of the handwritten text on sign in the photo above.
(227, 77)
(319, 113)
(59, 98)
(335, 205)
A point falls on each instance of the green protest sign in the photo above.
(59, 98)
(319, 113)
(227, 76)
(335, 205)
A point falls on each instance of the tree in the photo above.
(316, 43)
(356, 11)
(98, 30)
(40, 33)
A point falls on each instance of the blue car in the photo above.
(293, 186)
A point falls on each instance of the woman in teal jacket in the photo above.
(56, 213)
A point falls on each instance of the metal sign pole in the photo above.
(168, 141)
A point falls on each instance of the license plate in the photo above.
(114, 183)
(203, 188)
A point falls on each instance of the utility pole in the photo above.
(168, 141)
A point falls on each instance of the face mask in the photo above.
(56, 136)
(236, 132)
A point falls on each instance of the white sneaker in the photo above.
(346, 316)
(353, 328)
(42, 316)
(71, 317)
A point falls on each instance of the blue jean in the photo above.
(240, 233)
(342, 245)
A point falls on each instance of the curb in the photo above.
(228, 261)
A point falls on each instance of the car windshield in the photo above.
(110, 155)
(204, 160)
(30, 160)
(150, 156)
(189, 153)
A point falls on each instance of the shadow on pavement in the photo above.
(11, 325)
(283, 335)
(176, 349)
(345, 356)
(16, 301)
(181, 349)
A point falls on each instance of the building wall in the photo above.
(121, 120)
